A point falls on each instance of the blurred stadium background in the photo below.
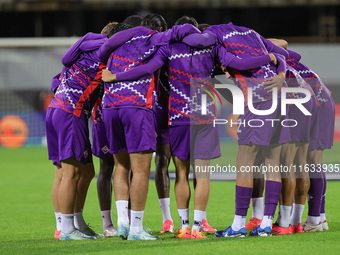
(35, 33)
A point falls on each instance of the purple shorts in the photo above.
(161, 124)
(202, 139)
(263, 130)
(67, 136)
(129, 128)
(325, 118)
(100, 145)
(306, 126)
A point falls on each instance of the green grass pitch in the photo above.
(27, 221)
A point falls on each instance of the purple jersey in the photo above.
(135, 52)
(188, 65)
(136, 93)
(293, 79)
(55, 82)
(78, 80)
(322, 93)
(189, 74)
(245, 43)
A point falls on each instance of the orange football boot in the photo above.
(197, 235)
(253, 223)
(186, 233)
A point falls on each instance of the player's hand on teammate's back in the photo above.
(107, 76)
(275, 81)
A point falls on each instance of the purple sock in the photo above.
(315, 196)
(323, 199)
(272, 196)
(242, 200)
(315, 192)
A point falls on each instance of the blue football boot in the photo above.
(267, 231)
(229, 232)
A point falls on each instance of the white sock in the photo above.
(136, 221)
(279, 218)
(79, 221)
(267, 221)
(122, 212)
(284, 220)
(165, 206)
(58, 220)
(129, 214)
(322, 217)
(205, 215)
(257, 207)
(184, 216)
(239, 222)
(107, 219)
(296, 215)
(314, 220)
(198, 217)
(67, 225)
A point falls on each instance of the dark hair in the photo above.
(133, 20)
(118, 28)
(155, 22)
(108, 27)
(187, 20)
(203, 26)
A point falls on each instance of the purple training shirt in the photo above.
(135, 52)
(244, 43)
(322, 93)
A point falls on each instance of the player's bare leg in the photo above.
(121, 188)
(104, 183)
(288, 153)
(55, 187)
(140, 166)
(302, 177)
(71, 172)
(121, 176)
(55, 200)
(86, 176)
(202, 191)
(245, 159)
(67, 193)
(257, 195)
(205, 225)
(182, 191)
(162, 182)
(302, 184)
(162, 179)
(104, 190)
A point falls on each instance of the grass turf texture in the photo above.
(27, 221)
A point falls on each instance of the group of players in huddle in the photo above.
(135, 80)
